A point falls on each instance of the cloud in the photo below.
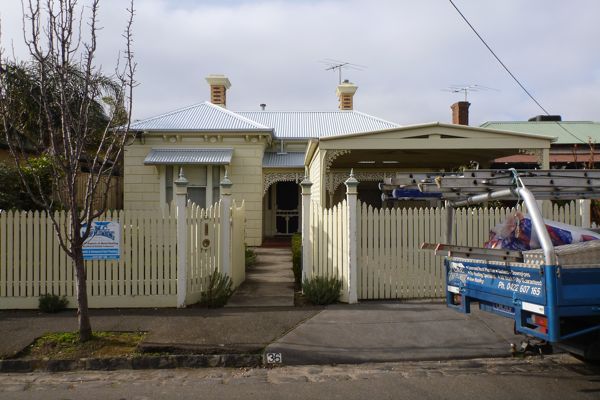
(412, 50)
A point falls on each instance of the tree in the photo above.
(52, 105)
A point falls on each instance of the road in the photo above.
(554, 377)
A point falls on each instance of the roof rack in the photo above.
(456, 186)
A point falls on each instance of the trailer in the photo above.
(553, 292)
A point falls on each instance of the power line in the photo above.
(508, 70)
(497, 58)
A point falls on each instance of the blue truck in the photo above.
(553, 292)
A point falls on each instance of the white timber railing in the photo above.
(375, 252)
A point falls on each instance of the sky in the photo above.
(411, 53)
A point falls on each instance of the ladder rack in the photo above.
(455, 186)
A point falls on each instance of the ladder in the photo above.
(470, 187)
(457, 186)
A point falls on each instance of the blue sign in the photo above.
(104, 241)
(505, 280)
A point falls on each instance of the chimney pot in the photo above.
(263, 106)
(460, 113)
(218, 89)
(345, 92)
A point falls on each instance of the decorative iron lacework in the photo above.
(336, 178)
(331, 156)
(270, 178)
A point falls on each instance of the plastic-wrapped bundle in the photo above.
(516, 233)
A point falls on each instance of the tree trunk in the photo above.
(83, 316)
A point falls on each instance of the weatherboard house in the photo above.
(268, 153)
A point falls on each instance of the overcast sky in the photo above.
(412, 50)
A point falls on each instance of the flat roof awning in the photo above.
(200, 156)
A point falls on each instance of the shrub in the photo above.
(297, 257)
(14, 194)
(322, 290)
(51, 303)
(250, 257)
(218, 291)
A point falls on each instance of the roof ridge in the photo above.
(168, 113)
(206, 104)
(236, 115)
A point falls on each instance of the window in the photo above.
(203, 187)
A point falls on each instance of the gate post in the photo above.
(180, 201)
(306, 244)
(351, 198)
(225, 225)
(585, 206)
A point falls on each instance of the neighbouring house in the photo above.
(267, 153)
(575, 146)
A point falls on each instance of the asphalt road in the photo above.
(555, 377)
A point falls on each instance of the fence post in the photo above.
(306, 184)
(225, 222)
(352, 200)
(585, 213)
(181, 202)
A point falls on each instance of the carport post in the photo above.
(225, 225)
(180, 201)
(306, 244)
(352, 200)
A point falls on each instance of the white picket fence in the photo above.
(389, 263)
(32, 262)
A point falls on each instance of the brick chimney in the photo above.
(460, 113)
(218, 89)
(345, 92)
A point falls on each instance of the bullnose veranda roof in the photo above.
(272, 159)
(205, 117)
(189, 155)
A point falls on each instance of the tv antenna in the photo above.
(333, 65)
(468, 88)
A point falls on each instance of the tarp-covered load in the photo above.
(515, 233)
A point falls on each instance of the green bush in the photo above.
(297, 257)
(322, 290)
(250, 257)
(51, 303)
(14, 194)
(218, 292)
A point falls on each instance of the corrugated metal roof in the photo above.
(283, 160)
(566, 132)
(188, 156)
(316, 124)
(199, 117)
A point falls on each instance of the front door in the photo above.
(287, 214)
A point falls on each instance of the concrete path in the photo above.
(381, 332)
(270, 283)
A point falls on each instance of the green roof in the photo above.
(566, 132)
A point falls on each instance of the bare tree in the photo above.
(65, 119)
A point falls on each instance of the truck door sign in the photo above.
(520, 281)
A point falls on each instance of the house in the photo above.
(267, 154)
(575, 146)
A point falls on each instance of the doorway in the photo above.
(287, 215)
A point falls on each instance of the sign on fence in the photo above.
(104, 242)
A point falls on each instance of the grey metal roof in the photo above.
(316, 124)
(272, 159)
(199, 117)
(189, 156)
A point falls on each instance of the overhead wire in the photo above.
(509, 71)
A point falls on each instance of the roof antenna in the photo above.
(333, 65)
(468, 88)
